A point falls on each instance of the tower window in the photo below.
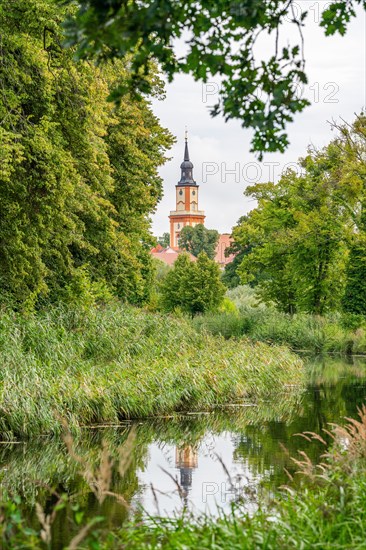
(181, 192)
(193, 192)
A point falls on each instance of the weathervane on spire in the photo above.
(186, 134)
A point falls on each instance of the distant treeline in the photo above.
(304, 246)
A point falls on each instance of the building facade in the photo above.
(224, 242)
(186, 202)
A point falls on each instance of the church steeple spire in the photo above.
(186, 195)
(186, 167)
(186, 152)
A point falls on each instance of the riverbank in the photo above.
(301, 332)
(117, 362)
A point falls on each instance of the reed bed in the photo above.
(300, 332)
(117, 362)
(332, 333)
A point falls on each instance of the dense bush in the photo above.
(313, 333)
(192, 287)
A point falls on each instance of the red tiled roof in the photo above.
(157, 248)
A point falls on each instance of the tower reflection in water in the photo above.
(186, 460)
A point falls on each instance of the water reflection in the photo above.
(251, 445)
(186, 460)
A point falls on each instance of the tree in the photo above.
(205, 289)
(198, 239)
(193, 287)
(78, 177)
(299, 233)
(261, 93)
(164, 240)
(354, 299)
(231, 277)
(174, 286)
(351, 174)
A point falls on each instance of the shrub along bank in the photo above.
(302, 332)
(299, 332)
(118, 362)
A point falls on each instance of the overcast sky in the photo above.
(336, 67)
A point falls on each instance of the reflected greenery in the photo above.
(263, 434)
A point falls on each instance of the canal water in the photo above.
(203, 461)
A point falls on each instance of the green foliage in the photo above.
(111, 363)
(164, 240)
(83, 293)
(297, 239)
(198, 239)
(352, 174)
(301, 332)
(231, 277)
(78, 176)
(193, 287)
(173, 287)
(228, 306)
(160, 271)
(244, 296)
(261, 92)
(354, 299)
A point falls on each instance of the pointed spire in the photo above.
(186, 166)
(186, 152)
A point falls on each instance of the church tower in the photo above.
(186, 197)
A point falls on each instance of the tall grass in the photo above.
(300, 332)
(119, 362)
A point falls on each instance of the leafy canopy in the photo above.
(221, 40)
(296, 242)
(198, 239)
(78, 177)
(193, 287)
(164, 240)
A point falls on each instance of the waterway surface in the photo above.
(200, 460)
